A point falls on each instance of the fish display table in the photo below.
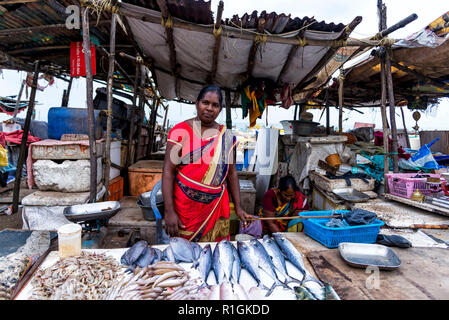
(246, 280)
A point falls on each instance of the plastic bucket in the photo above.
(69, 240)
(334, 160)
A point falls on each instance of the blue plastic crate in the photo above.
(331, 237)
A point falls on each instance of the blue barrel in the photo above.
(71, 121)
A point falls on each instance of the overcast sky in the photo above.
(337, 11)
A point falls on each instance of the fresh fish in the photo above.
(182, 249)
(132, 254)
(303, 294)
(236, 266)
(294, 256)
(249, 262)
(277, 258)
(167, 255)
(214, 292)
(146, 258)
(266, 264)
(226, 292)
(158, 255)
(222, 261)
(205, 264)
(255, 293)
(240, 292)
(330, 293)
(196, 250)
(315, 289)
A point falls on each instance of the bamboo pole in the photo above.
(407, 138)
(153, 124)
(141, 110)
(90, 105)
(228, 110)
(19, 96)
(66, 94)
(23, 143)
(110, 98)
(129, 160)
(328, 121)
(382, 13)
(217, 35)
(340, 101)
(391, 101)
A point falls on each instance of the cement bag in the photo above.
(3, 157)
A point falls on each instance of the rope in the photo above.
(217, 32)
(168, 24)
(261, 38)
(386, 42)
(339, 43)
(302, 41)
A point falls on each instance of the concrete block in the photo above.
(53, 198)
(64, 152)
(69, 176)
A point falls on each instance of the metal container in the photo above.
(92, 211)
(351, 195)
(299, 127)
(148, 212)
(362, 255)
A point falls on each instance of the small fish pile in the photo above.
(89, 276)
(162, 280)
(140, 255)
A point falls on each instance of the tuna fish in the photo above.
(236, 267)
(205, 264)
(277, 258)
(266, 264)
(294, 256)
(250, 262)
(222, 261)
(182, 249)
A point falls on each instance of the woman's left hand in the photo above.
(246, 219)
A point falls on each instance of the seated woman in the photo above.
(283, 201)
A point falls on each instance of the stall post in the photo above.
(23, 143)
(340, 101)
(19, 96)
(133, 112)
(90, 105)
(66, 94)
(141, 110)
(228, 109)
(394, 132)
(407, 138)
(110, 99)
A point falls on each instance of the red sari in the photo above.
(200, 196)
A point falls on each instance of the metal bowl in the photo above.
(92, 211)
(362, 255)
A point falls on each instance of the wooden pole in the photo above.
(65, 97)
(23, 143)
(386, 132)
(217, 35)
(129, 160)
(90, 105)
(141, 108)
(296, 113)
(328, 121)
(107, 169)
(340, 101)
(19, 96)
(228, 110)
(407, 138)
(153, 125)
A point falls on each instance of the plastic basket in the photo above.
(331, 237)
(404, 184)
(116, 189)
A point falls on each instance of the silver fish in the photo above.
(249, 262)
(222, 261)
(318, 291)
(182, 249)
(158, 255)
(277, 258)
(236, 266)
(146, 258)
(294, 256)
(132, 254)
(167, 255)
(266, 264)
(205, 264)
(196, 250)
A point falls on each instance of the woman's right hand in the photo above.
(172, 223)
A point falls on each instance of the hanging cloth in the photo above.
(256, 106)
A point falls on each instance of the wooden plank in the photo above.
(409, 282)
(422, 205)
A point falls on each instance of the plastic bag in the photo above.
(3, 157)
(424, 158)
(393, 241)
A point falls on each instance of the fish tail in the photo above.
(270, 290)
(309, 277)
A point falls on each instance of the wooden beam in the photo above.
(256, 42)
(133, 112)
(17, 1)
(23, 143)
(110, 98)
(228, 110)
(217, 34)
(168, 23)
(19, 96)
(386, 31)
(141, 110)
(90, 105)
(340, 101)
(66, 94)
(435, 82)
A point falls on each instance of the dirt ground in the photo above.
(13, 221)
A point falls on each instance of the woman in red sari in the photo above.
(199, 160)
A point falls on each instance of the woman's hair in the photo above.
(288, 182)
(211, 88)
